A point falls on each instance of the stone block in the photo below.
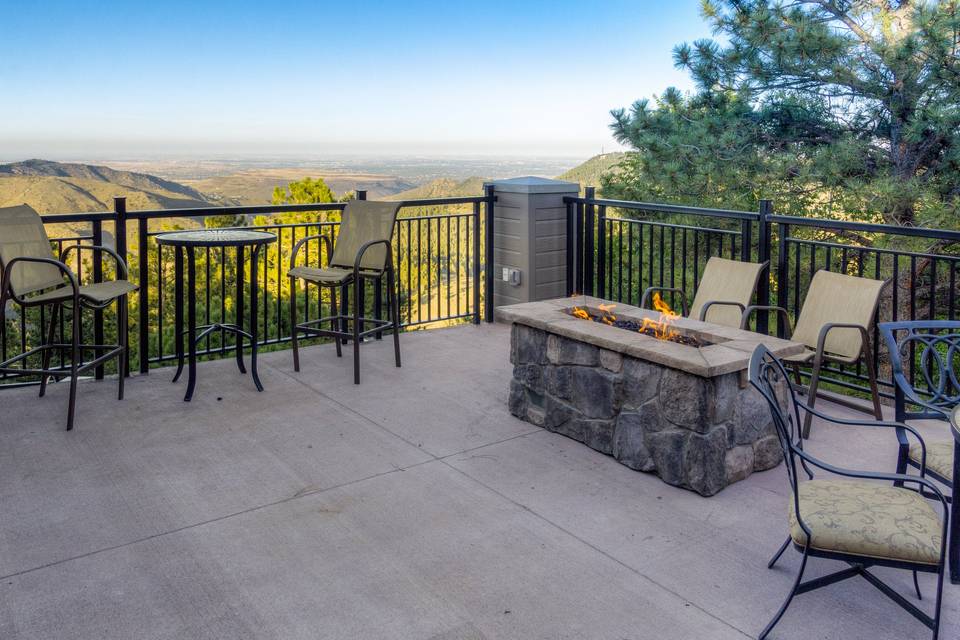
(598, 435)
(629, 442)
(640, 381)
(704, 461)
(767, 453)
(558, 381)
(560, 350)
(528, 345)
(611, 360)
(594, 391)
(739, 463)
(666, 448)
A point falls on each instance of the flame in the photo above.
(608, 317)
(580, 313)
(660, 328)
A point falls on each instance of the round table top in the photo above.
(215, 238)
(955, 422)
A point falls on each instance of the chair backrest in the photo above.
(925, 362)
(362, 222)
(836, 297)
(22, 235)
(727, 281)
(768, 376)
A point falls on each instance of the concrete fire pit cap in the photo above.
(729, 352)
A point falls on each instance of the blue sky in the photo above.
(524, 78)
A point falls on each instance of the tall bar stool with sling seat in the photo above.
(33, 278)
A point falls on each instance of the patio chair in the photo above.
(33, 278)
(723, 294)
(833, 324)
(863, 521)
(934, 392)
(363, 251)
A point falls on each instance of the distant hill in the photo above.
(57, 187)
(588, 174)
(442, 188)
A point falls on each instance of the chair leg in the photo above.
(357, 283)
(393, 301)
(812, 393)
(916, 585)
(293, 324)
(776, 556)
(123, 308)
(786, 603)
(872, 377)
(51, 336)
(74, 364)
(337, 326)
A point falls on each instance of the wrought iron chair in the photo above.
(363, 251)
(860, 522)
(723, 294)
(32, 278)
(834, 325)
(934, 390)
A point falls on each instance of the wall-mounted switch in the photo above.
(511, 275)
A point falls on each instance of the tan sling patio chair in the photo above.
(363, 251)
(724, 292)
(32, 278)
(834, 325)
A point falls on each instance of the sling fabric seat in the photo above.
(867, 519)
(98, 293)
(725, 290)
(329, 275)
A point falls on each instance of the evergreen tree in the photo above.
(831, 107)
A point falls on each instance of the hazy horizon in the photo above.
(111, 80)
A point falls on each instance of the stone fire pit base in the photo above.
(694, 432)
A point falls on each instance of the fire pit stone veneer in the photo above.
(683, 412)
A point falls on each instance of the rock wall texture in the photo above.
(698, 433)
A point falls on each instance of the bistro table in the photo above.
(186, 242)
(953, 550)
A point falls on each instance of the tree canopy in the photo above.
(829, 107)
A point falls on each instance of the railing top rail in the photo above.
(665, 208)
(244, 210)
(867, 227)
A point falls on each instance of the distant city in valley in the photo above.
(82, 185)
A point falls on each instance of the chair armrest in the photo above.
(749, 311)
(648, 292)
(719, 303)
(8, 274)
(902, 429)
(830, 326)
(363, 249)
(302, 241)
(911, 396)
(874, 475)
(121, 265)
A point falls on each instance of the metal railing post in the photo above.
(362, 195)
(746, 239)
(143, 248)
(475, 266)
(763, 255)
(490, 199)
(571, 255)
(783, 276)
(589, 225)
(97, 277)
(120, 244)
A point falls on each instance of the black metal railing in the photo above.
(619, 248)
(441, 251)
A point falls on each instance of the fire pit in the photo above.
(659, 392)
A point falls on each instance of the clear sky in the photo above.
(124, 77)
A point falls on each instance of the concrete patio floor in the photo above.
(411, 506)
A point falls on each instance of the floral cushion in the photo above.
(868, 519)
(939, 458)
